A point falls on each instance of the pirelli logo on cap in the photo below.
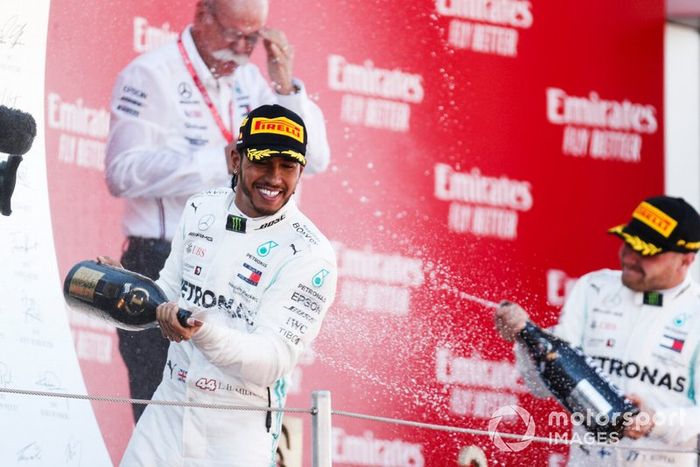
(655, 218)
(279, 126)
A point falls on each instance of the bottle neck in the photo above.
(535, 338)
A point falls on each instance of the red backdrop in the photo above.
(477, 147)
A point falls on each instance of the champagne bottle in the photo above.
(123, 298)
(576, 384)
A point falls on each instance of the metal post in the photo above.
(321, 428)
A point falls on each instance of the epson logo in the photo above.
(307, 302)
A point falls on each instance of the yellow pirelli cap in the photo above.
(659, 224)
(272, 131)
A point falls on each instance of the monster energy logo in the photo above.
(653, 299)
(235, 223)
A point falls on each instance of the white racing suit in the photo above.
(164, 145)
(262, 294)
(644, 349)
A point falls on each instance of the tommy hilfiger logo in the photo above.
(250, 275)
(672, 343)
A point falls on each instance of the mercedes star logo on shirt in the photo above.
(206, 222)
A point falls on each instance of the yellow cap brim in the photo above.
(255, 155)
(637, 244)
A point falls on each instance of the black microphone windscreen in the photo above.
(17, 131)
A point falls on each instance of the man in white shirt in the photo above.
(259, 278)
(173, 113)
(641, 327)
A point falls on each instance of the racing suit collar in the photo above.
(669, 295)
(264, 222)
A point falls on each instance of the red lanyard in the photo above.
(207, 100)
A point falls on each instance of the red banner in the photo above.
(477, 147)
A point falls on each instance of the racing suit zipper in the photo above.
(268, 416)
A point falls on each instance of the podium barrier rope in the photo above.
(313, 411)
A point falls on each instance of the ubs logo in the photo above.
(193, 249)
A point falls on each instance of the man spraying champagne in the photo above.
(641, 326)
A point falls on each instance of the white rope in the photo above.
(125, 400)
(472, 431)
(342, 413)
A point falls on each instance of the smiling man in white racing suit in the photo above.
(259, 277)
(173, 111)
(641, 327)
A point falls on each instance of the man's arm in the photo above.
(289, 318)
(290, 93)
(317, 149)
(511, 318)
(147, 154)
(675, 425)
(318, 153)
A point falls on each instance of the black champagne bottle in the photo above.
(576, 384)
(123, 298)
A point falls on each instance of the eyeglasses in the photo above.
(233, 34)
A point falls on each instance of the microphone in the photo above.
(17, 132)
